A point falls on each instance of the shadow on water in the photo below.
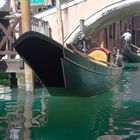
(113, 115)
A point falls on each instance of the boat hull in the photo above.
(57, 66)
(130, 56)
(87, 78)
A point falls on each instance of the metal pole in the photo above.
(82, 26)
(82, 30)
(26, 26)
(59, 22)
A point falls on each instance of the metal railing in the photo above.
(40, 26)
(66, 1)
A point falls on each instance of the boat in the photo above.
(132, 53)
(66, 67)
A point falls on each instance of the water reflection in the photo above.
(11, 117)
(34, 115)
(73, 118)
(126, 105)
(39, 116)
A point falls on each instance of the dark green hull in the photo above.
(131, 57)
(86, 77)
(57, 66)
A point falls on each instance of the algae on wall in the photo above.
(4, 79)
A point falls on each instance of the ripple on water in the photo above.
(135, 133)
(112, 137)
(136, 122)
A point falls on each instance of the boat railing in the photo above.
(13, 31)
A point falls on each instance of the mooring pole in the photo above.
(29, 80)
(59, 22)
(26, 26)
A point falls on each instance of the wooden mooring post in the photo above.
(26, 26)
(29, 80)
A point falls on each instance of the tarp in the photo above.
(36, 1)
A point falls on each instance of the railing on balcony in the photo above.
(14, 31)
(40, 26)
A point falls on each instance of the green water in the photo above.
(114, 115)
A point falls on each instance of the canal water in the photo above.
(114, 115)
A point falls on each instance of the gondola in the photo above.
(56, 65)
(132, 53)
